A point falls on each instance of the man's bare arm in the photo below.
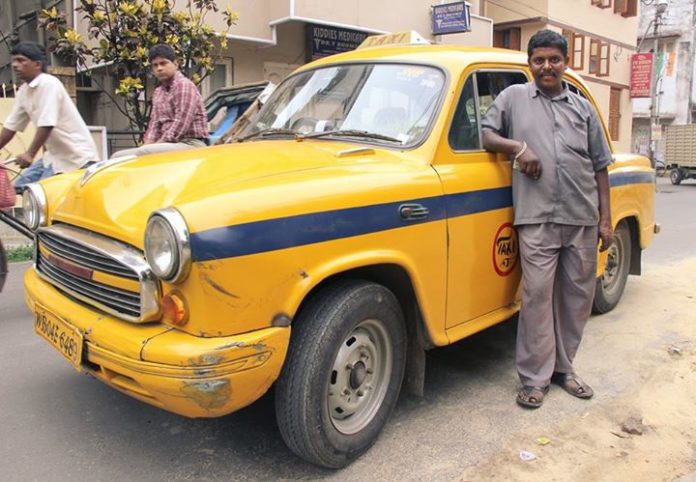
(605, 228)
(6, 136)
(528, 161)
(494, 142)
(25, 159)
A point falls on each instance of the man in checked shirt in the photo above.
(178, 120)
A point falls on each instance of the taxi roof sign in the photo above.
(398, 38)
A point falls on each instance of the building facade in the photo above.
(676, 68)
(601, 38)
(18, 21)
(273, 37)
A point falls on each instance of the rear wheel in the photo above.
(343, 372)
(676, 176)
(610, 286)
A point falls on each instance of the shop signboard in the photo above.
(325, 40)
(451, 18)
(641, 74)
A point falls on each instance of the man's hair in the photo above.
(32, 51)
(547, 38)
(161, 50)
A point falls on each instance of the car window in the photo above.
(479, 91)
(490, 84)
(463, 133)
(395, 101)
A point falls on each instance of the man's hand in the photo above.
(25, 160)
(529, 164)
(606, 234)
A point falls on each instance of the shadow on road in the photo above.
(246, 444)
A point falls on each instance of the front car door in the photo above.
(483, 270)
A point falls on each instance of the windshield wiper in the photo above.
(352, 133)
(269, 132)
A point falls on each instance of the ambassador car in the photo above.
(354, 224)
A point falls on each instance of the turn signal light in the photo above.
(174, 309)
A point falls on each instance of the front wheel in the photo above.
(343, 372)
(676, 176)
(610, 286)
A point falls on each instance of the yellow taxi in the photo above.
(354, 224)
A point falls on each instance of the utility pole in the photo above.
(660, 9)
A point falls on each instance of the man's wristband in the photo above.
(522, 151)
(515, 161)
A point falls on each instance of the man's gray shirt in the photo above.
(567, 135)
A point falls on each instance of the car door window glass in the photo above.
(490, 84)
(463, 133)
(479, 92)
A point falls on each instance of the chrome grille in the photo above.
(85, 256)
(122, 301)
(68, 257)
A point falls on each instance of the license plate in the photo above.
(64, 338)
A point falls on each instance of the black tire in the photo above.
(3, 266)
(337, 324)
(610, 286)
(676, 176)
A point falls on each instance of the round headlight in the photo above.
(167, 245)
(34, 206)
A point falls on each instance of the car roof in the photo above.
(440, 54)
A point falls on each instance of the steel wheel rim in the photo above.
(359, 377)
(615, 260)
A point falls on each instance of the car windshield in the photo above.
(389, 104)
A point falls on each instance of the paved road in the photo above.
(58, 425)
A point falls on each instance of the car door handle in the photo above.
(413, 212)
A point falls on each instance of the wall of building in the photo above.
(18, 21)
(583, 18)
(481, 33)
(582, 15)
(509, 10)
(251, 61)
(676, 42)
(676, 97)
(270, 38)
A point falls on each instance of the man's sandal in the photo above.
(572, 384)
(531, 397)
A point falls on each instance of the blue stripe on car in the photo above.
(288, 232)
(624, 178)
(281, 233)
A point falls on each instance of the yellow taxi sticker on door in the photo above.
(505, 250)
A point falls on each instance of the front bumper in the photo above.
(181, 373)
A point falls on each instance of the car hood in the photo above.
(117, 200)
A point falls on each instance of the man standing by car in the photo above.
(60, 130)
(561, 203)
(178, 120)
